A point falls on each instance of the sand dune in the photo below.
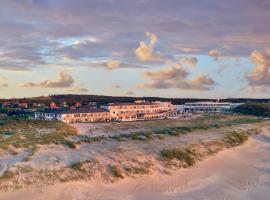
(238, 173)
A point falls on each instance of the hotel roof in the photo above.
(132, 104)
(74, 111)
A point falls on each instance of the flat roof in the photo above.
(132, 104)
(208, 102)
(73, 111)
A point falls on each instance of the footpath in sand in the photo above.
(238, 173)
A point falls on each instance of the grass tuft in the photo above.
(116, 172)
(179, 154)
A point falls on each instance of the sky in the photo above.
(172, 48)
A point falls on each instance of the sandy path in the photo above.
(239, 173)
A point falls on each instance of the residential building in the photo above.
(23, 105)
(53, 105)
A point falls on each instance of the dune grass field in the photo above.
(37, 154)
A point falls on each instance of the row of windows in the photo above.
(89, 114)
(136, 107)
(138, 111)
(208, 105)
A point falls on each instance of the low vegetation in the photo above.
(202, 123)
(7, 176)
(257, 109)
(24, 133)
(192, 153)
(77, 166)
(116, 172)
(235, 138)
(180, 154)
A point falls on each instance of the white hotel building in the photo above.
(209, 107)
(139, 110)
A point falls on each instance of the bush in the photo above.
(7, 175)
(69, 144)
(179, 154)
(76, 166)
(257, 109)
(235, 138)
(116, 172)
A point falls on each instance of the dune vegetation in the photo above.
(155, 145)
(23, 133)
(257, 109)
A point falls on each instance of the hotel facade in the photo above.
(139, 110)
(74, 115)
(209, 107)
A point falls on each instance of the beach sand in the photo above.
(238, 173)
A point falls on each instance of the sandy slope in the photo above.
(239, 173)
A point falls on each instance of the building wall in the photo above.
(120, 112)
(207, 107)
(46, 116)
(86, 117)
(141, 111)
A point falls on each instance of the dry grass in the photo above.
(24, 133)
(189, 155)
(116, 172)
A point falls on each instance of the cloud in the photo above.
(176, 77)
(86, 40)
(190, 61)
(173, 72)
(3, 82)
(31, 31)
(40, 22)
(187, 49)
(113, 64)
(215, 53)
(129, 92)
(200, 83)
(64, 80)
(145, 52)
(202, 80)
(78, 89)
(260, 75)
(116, 86)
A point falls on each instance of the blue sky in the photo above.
(174, 48)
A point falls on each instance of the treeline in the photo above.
(100, 99)
(112, 99)
(257, 109)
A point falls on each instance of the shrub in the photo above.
(235, 138)
(179, 154)
(257, 109)
(77, 166)
(116, 172)
(69, 144)
(7, 175)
